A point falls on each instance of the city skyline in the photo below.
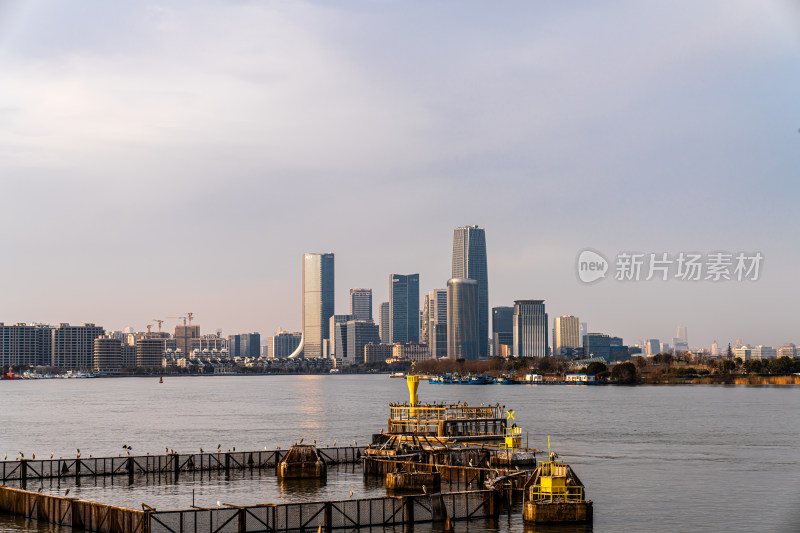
(121, 132)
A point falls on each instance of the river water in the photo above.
(653, 458)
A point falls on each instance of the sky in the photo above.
(158, 158)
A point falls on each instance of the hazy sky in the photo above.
(164, 157)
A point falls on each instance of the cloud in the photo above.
(258, 130)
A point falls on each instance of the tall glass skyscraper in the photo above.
(462, 319)
(469, 261)
(317, 301)
(404, 308)
(530, 328)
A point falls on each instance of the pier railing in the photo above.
(37, 469)
(338, 514)
(279, 518)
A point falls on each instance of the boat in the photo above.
(11, 375)
(397, 375)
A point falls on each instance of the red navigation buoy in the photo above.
(161, 379)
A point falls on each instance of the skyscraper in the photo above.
(437, 323)
(682, 334)
(318, 301)
(423, 323)
(566, 335)
(530, 328)
(404, 308)
(361, 303)
(385, 317)
(462, 319)
(502, 331)
(469, 261)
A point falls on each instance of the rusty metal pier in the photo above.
(24, 470)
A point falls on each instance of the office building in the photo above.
(462, 319)
(338, 344)
(318, 299)
(530, 328)
(678, 345)
(423, 323)
(73, 346)
(652, 347)
(149, 353)
(762, 353)
(743, 352)
(240, 345)
(583, 331)
(404, 308)
(437, 323)
(566, 339)
(714, 348)
(410, 351)
(283, 344)
(359, 334)
(384, 320)
(361, 303)
(682, 334)
(377, 353)
(502, 331)
(787, 350)
(469, 261)
(107, 355)
(25, 345)
(611, 349)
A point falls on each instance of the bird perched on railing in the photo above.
(51, 454)
(351, 494)
(67, 492)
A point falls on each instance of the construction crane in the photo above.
(148, 328)
(159, 323)
(179, 317)
(190, 315)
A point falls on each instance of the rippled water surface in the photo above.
(682, 458)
